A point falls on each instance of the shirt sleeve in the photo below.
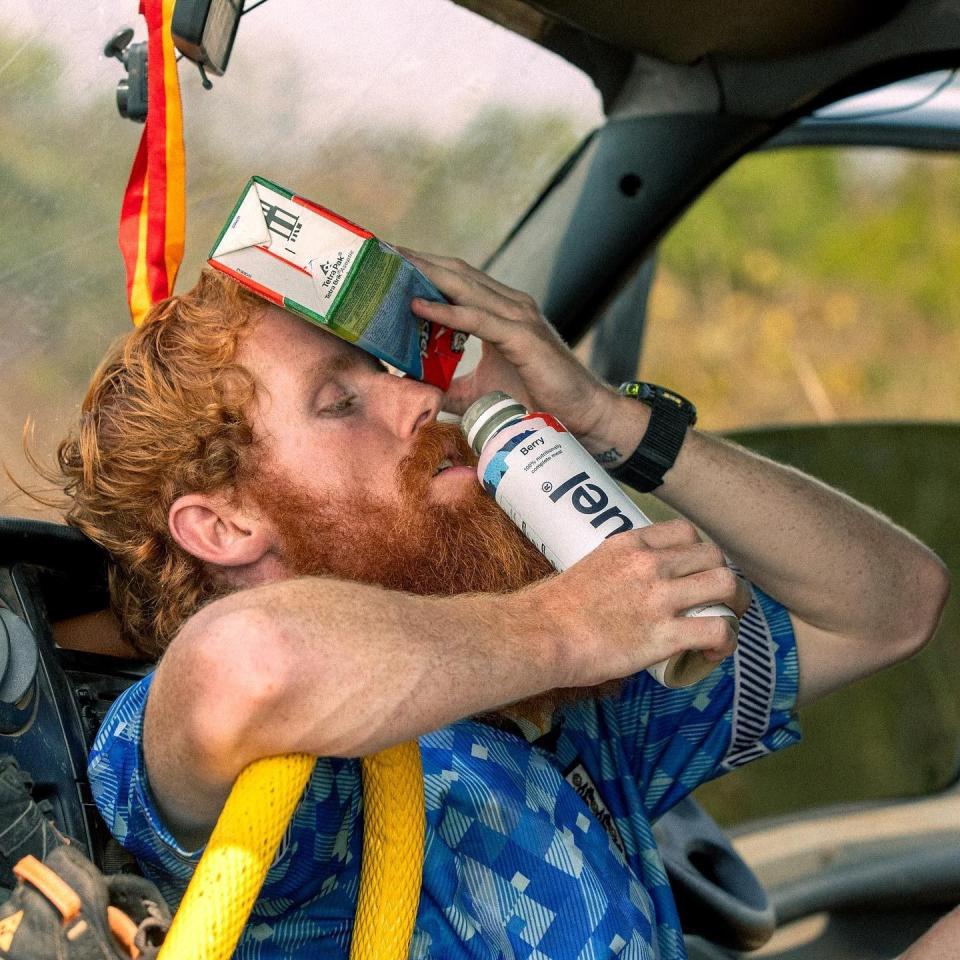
(674, 740)
(322, 837)
(118, 780)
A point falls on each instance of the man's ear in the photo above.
(217, 531)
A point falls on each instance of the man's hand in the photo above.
(861, 593)
(620, 609)
(522, 354)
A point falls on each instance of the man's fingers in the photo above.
(468, 287)
(512, 337)
(670, 533)
(681, 552)
(713, 636)
(421, 259)
(717, 585)
(689, 558)
(742, 599)
(468, 319)
(635, 590)
(464, 286)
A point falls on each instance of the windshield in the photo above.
(813, 285)
(424, 122)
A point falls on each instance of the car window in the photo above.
(808, 303)
(426, 123)
(813, 286)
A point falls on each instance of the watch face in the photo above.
(650, 393)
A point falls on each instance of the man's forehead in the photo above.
(281, 337)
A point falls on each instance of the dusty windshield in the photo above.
(416, 118)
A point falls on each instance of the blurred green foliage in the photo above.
(879, 223)
(814, 285)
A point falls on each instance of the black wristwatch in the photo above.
(670, 415)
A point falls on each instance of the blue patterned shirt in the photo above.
(535, 851)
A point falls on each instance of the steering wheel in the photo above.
(718, 896)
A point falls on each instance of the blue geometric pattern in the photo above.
(516, 865)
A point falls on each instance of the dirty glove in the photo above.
(65, 908)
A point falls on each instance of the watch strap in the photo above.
(670, 415)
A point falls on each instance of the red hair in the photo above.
(164, 415)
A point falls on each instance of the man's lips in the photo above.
(453, 468)
(452, 461)
(454, 471)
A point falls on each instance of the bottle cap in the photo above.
(486, 415)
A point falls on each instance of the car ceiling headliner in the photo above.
(682, 31)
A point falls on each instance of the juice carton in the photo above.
(328, 270)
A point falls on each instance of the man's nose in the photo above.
(412, 404)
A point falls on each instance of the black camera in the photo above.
(132, 89)
(203, 31)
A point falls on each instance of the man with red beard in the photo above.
(312, 554)
(417, 544)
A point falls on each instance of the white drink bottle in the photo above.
(563, 500)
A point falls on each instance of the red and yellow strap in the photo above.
(153, 214)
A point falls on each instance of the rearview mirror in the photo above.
(204, 31)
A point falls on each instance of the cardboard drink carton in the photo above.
(328, 270)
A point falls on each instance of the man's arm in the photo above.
(331, 668)
(861, 592)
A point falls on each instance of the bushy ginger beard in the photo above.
(419, 546)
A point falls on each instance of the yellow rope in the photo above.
(241, 848)
(244, 842)
(391, 871)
